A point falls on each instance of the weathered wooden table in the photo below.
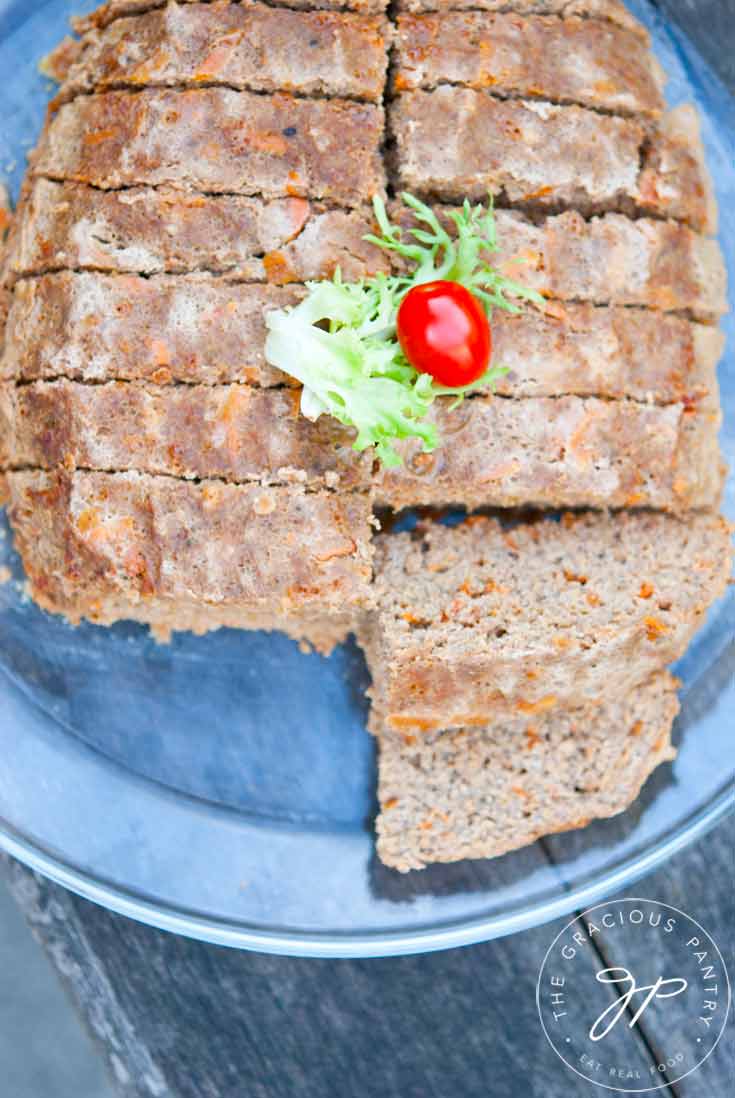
(177, 1018)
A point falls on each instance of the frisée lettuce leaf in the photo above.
(340, 341)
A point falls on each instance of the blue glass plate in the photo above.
(223, 787)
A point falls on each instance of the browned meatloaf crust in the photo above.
(115, 9)
(147, 231)
(218, 140)
(95, 541)
(552, 452)
(613, 11)
(455, 143)
(480, 792)
(479, 619)
(590, 63)
(245, 45)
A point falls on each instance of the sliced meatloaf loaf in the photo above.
(551, 452)
(161, 550)
(479, 792)
(245, 45)
(584, 61)
(218, 140)
(147, 231)
(482, 618)
(455, 143)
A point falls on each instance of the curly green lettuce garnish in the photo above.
(340, 342)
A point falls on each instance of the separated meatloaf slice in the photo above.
(482, 791)
(484, 618)
(148, 231)
(173, 553)
(245, 45)
(585, 61)
(454, 143)
(217, 140)
(551, 452)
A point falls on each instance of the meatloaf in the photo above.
(571, 60)
(489, 617)
(217, 140)
(457, 142)
(551, 452)
(163, 550)
(156, 231)
(478, 792)
(246, 45)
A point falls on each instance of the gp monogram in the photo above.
(627, 977)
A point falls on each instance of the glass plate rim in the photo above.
(345, 945)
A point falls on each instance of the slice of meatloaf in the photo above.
(183, 328)
(116, 9)
(583, 61)
(481, 792)
(218, 140)
(233, 432)
(457, 143)
(615, 260)
(246, 45)
(485, 618)
(612, 11)
(608, 260)
(102, 546)
(561, 452)
(584, 350)
(147, 231)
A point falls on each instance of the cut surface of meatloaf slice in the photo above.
(456, 143)
(148, 231)
(218, 140)
(613, 11)
(244, 45)
(561, 452)
(166, 328)
(481, 792)
(583, 61)
(105, 546)
(485, 618)
(607, 260)
(117, 9)
(550, 452)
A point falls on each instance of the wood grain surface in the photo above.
(180, 1019)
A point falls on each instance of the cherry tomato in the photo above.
(443, 331)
